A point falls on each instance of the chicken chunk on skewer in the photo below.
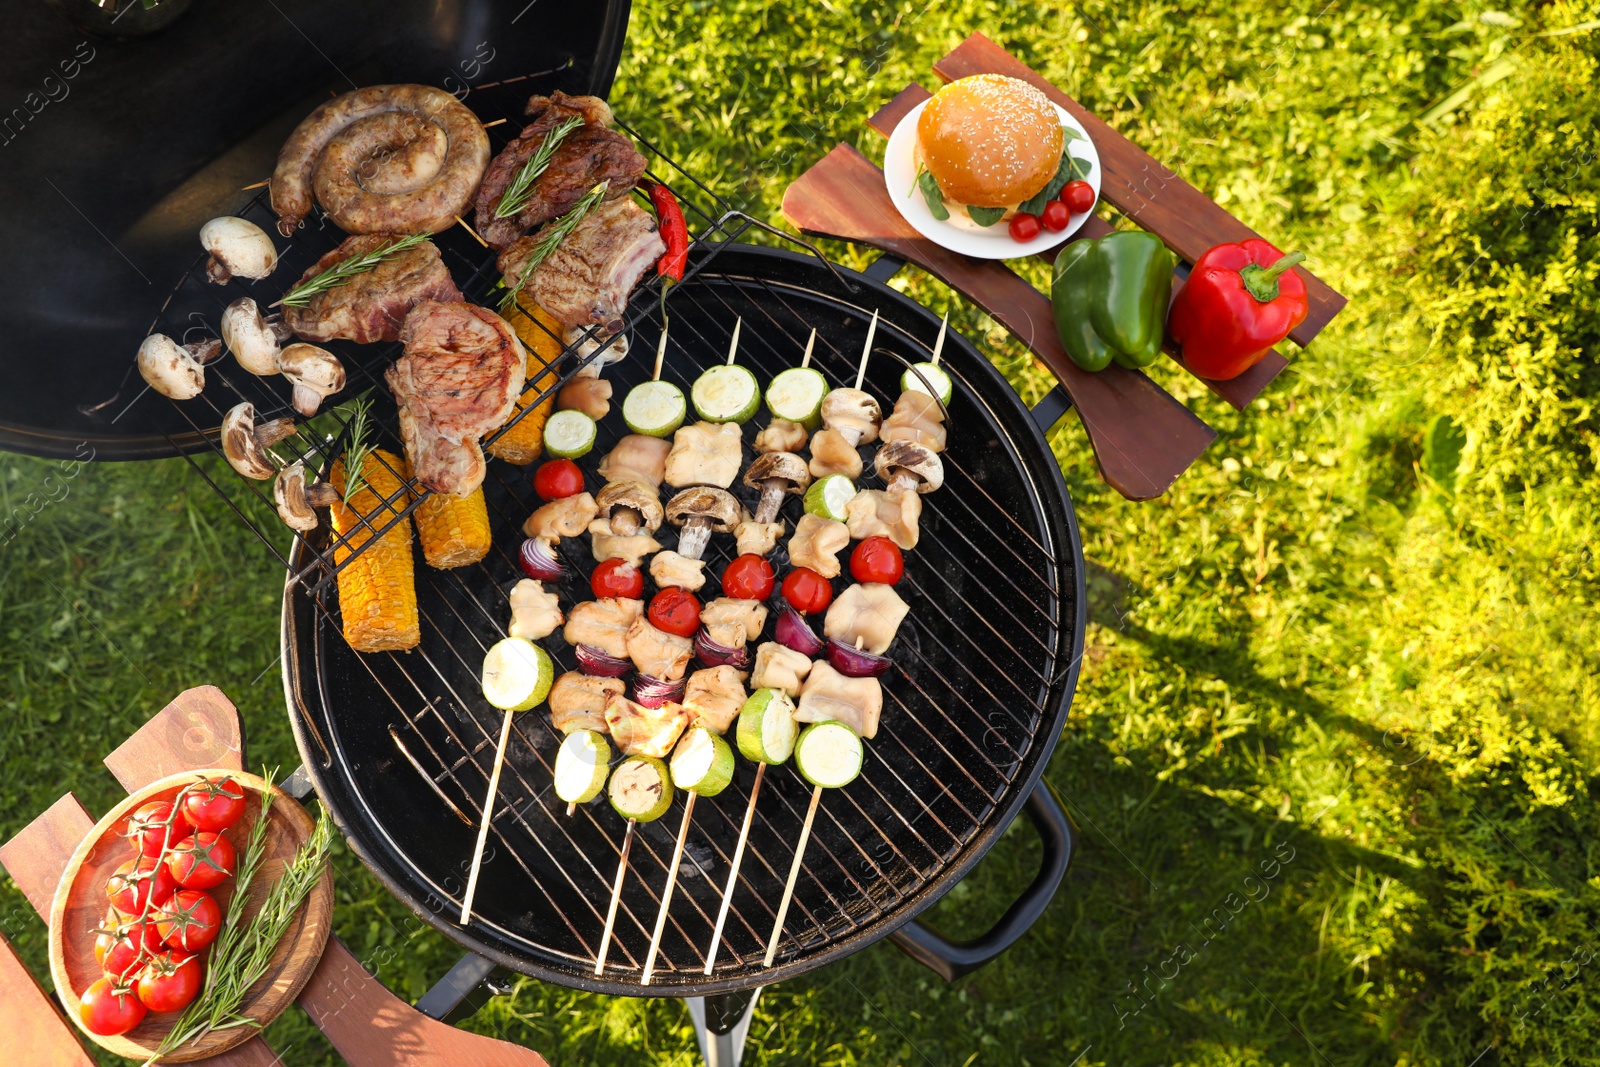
(704, 453)
(713, 698)
(603, 624)
(642, 731)
(892, 513)
(832, 454)
(638, 457)
(779, 667)
(781, 435)
(829, 696)
(657, 653)
(917, 418)
(866, 616)
(816, 544)
(567, 516)
(578, 702)
(592, 396)
(535, 614)
(733, 623)
(757, 538)
(671, 570)
(606, 544)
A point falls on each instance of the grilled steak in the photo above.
(461, 374)
(587, 279)
(587, 156)
(371, 306)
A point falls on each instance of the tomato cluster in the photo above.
(1074, 199)
(162, 917)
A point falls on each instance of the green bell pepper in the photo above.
(1110, 299)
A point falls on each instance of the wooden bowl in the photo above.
(80, 906)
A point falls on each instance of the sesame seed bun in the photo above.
(989, 140)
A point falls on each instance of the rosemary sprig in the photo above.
(240, 956)
(344, 273)
(360, 446)
(520, 191)
(551, 237)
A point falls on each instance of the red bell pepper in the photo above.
(1239, 301)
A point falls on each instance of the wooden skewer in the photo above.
(257, 185)
(488, 811)
(496, 122)
(938, 346)
(805, 361)
(470, 230)
(794, 876)
(866, 350)
(572, 807)
(672, 882)
(661, 353)
(616, 898)
(738, 856)
(733, 345)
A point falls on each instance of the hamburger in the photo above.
(986, 144)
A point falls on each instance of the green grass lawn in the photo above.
(1331, 753)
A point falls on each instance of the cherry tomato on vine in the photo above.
(202, 862)
(1078, 196)
(214, 804)
(189, 921)
(1024, 227)
(675, 611)
(170, 981)
(877, 559)
(1055, 216)
(807, 591)
(153, 825)
(137, 881)
(748, 577)
(558, 478)
(617, 577)
(118, 950)
(108, 1012)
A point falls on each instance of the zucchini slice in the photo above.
(829, 754)
(569, 434)
(641, 788)
(516, 674)
(728, 393)
(703, 762)
(582, 765)
(767, 729)
(936, 377)
(830, 496)
(796, 394)
(654, 408)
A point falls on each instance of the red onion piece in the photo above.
(652, 692)
(539, 562)
(715, 655)
(855, 662)
(792, 632)
(601, 664)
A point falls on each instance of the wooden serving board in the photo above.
(80, 906)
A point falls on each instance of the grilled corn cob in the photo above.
(454, 530)
(524, 442)
(377, 589)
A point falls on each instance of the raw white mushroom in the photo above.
(245, 443)
(239, 248)
(315, 373)
(298, 500)
(252, 340)
(171, 369)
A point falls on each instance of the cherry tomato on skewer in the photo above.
(807, 592)
(749, 577)
(877, 559)
(675, 611)
(558, 478)
(214, 805)
(108, 1011)
(617, 577)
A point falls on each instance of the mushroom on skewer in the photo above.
(905, 465)
(701, 511)
(775, 474)
(245, 443)
(627, 505)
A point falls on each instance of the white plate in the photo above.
(961, 234)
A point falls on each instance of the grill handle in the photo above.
(950, 959)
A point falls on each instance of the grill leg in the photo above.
(721, 1024)
(457, 996)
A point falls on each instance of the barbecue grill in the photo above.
(399, 745)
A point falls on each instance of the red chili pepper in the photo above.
(1239, 301)
(674, 231)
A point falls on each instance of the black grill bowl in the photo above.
(400, 745)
